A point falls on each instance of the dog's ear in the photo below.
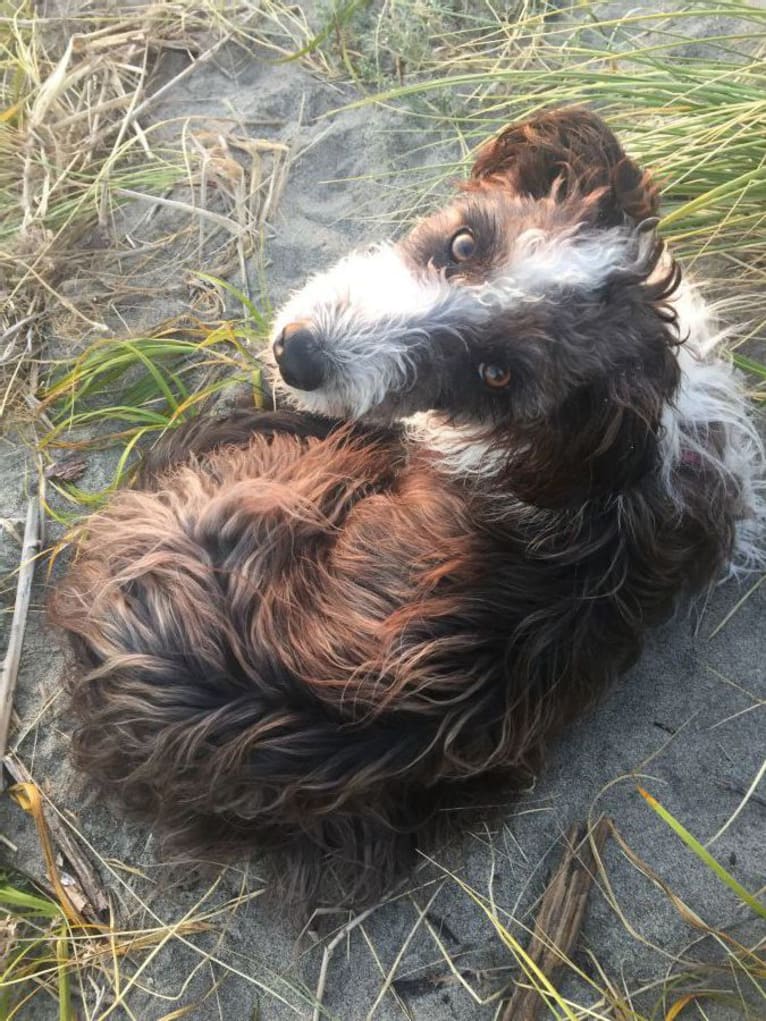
(574, 147)
(603, 437)
(602, 441)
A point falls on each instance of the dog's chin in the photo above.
(316, 402)
(392, 410)
(388, 412)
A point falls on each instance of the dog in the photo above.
(506, 450)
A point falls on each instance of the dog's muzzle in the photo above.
(299, 357)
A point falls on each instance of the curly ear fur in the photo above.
(575, 147)
(604, 437)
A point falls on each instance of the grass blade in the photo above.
(704, 855)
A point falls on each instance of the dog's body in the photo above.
(316, 634)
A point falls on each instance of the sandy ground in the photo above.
(689, 719)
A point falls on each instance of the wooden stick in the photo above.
(560, 917)
(328, 952)
(29, 550)
(97, 904)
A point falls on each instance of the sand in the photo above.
(687, 721)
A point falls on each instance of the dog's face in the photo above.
(496, 309)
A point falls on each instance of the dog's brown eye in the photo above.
(494, 376)
(462, 246)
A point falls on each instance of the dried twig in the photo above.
(389, 978)
(328, 952)
(562, 909)
(140, 109)
(30, 549)
(66, 469)
(97, 904)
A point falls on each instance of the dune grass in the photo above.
(123, 393)
(87, 167)
(81, 147)
(691, 108)
(66, 942)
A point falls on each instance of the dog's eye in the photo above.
(494, 376)
(462, 246)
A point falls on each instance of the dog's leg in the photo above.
(207, 433)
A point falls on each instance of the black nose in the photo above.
(299, 357)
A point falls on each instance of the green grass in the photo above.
(707, 859)
(121, 393)
(34, 952)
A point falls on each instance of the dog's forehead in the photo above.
(497, 218)
(492, 212)
(490, 223)
(529, 247)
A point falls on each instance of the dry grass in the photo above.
(101, 199)
(57, 945)
(108, 204)
(105, 204)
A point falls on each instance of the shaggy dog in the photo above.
(512, 454)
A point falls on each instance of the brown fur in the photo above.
(310, 635)
(575, 147)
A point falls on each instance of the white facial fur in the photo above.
(370, 310)
(373, 311)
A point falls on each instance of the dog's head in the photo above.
(536, 294)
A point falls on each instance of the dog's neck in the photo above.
(549, 469)
(461, 451)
